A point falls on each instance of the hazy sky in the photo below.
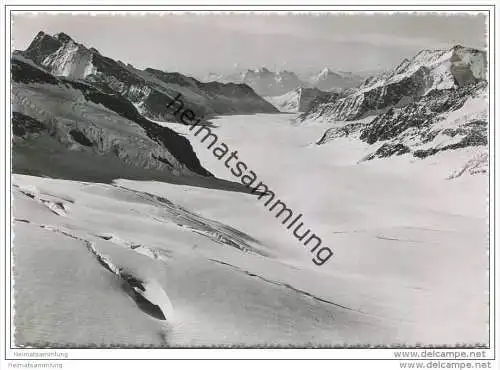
(196, 44)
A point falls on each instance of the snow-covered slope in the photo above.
(101, 259)
(295, 101)
(151, 90)
(146, 263)
(427, 71)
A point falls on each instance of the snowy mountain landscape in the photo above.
(434, 102)
(149, 89)
(130, 232)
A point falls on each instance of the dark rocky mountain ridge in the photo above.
(435, 102)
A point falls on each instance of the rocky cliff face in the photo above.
(443, 119)
(412, 79)
(150, 90)
(59, 119)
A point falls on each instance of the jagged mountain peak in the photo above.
(268, 83)
(325, 72)
(297, 100)
(285, 72)
(329, 80)
(57, 71)
(258, 71)
(56, 39)
(150, 88)
(63, 37)
(427, 71)
(42, 45)
(40, 35)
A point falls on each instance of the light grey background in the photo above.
(196, 44)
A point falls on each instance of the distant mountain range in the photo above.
(268, 83)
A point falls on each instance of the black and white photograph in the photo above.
(244, 179)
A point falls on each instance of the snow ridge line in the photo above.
(216, 231)
(152, 253)
(307, 294)
(59, 207)
(143, 290)
(103, 259)
(286, 285)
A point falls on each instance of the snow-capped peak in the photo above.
(325, 72)
(446, 68)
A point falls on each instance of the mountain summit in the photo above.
(436, 101)
(412, 78)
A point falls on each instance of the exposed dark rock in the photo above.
(388, 150)
(23, 125)
(24, 72)
(420, 115)
(342, 131)
(390, 124)
(80, 138)
(414, 127)
(164, 160)
(178, 145)
(42, 46)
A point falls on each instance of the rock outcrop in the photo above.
(441, 120)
